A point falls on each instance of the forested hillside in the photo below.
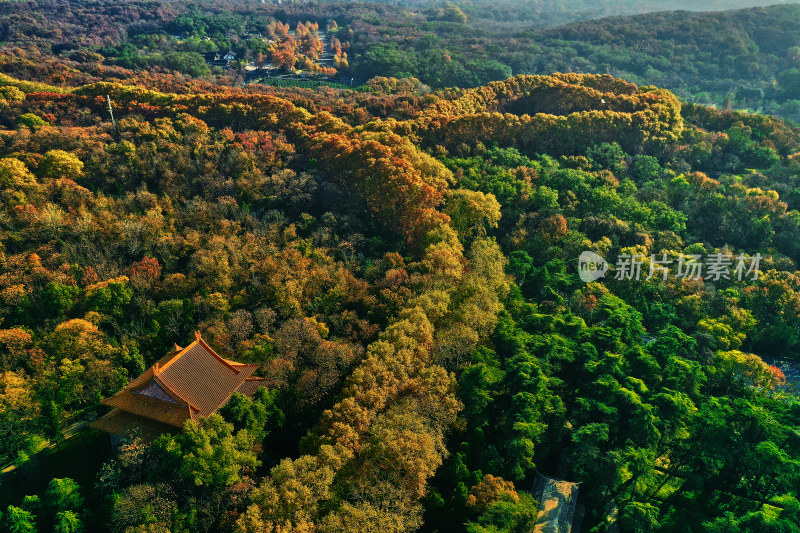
(402, 266)
(747, 59)
(557, 12)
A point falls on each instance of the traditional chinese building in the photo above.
(186, 384)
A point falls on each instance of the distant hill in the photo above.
(746, 59)
(555, 12)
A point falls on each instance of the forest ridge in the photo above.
(744, 59)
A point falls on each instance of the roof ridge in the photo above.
(243, 365)
(198, 340)
(163, 384)
(157, 370)
(221, 359)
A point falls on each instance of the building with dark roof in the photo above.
(186, 384)
(220, 59)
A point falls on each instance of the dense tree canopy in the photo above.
(403, 267)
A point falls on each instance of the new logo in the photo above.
(591, 267)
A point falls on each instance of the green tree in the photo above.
(453, 13)
(190, 63)
(257, 415)
(17, 520)
(609, 156)
(56, 164)
(507, 515)
(208, 453)
(382, 59)
(63, 494)
(472, 212)
(17, 184)
(31, 121)
(58, 299)
(645, 168)
(67, 522)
